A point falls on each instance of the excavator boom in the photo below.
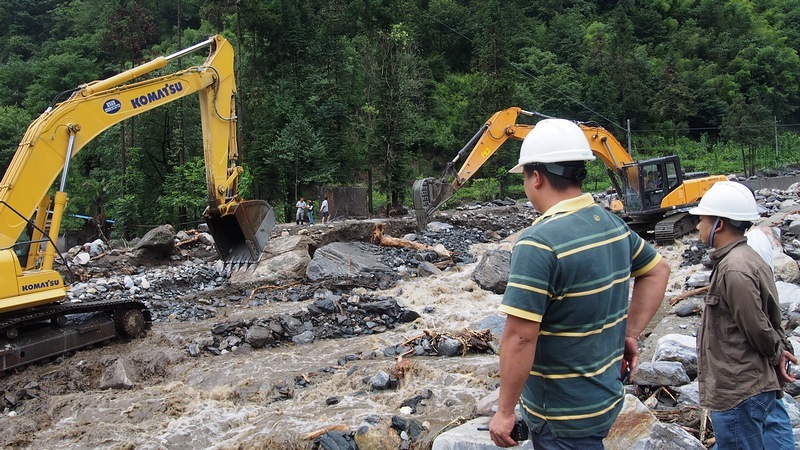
(240, 227)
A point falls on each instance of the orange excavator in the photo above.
(652, 195)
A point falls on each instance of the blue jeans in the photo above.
(544, 440)
(759, 422)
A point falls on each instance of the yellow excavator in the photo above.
(34, 322)
(652, 196)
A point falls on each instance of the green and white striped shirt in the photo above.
(571, 272)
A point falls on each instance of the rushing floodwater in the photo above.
(229, 401)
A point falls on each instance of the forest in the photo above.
(377, 93)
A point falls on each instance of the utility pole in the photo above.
(630, 150)
(776, 136)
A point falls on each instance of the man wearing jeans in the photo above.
(742, 349)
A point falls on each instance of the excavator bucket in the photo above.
(241, 237)
(429, 194)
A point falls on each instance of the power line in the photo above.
(720, 128)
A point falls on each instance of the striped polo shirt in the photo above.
(571, 272)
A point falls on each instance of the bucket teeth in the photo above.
(241, 263)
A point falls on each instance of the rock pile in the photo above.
(328, 316)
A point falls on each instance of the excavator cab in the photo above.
(645, 184)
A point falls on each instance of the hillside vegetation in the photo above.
(377, 93)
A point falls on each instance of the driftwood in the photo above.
(379, 238)
(268, 287)
(675, 300)
(320, 432)
(188, 241)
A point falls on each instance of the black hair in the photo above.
(562, 175)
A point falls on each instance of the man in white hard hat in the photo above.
(569, 326)
(742, 349)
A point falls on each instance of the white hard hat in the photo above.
(554, 141)
(730, 200)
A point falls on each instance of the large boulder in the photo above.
(679, 348)
(160, 241)
(634, 423)
(345, 260)
(786, 268)
(491, 273)
(285, 259)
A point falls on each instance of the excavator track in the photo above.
(52, 330)
(673, 227)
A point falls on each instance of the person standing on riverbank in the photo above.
(300, 216)
(742, 350)
(311, 212)
(323, 210)
(569, 326)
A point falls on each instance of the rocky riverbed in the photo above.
(382, 348)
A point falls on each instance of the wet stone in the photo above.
(336, 440)
(450, 347)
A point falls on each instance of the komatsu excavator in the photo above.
(34, 322)
(652, 195)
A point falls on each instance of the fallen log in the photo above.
(379, 238)
(675, 300)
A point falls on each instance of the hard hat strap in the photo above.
(572, 173)
(713, 232)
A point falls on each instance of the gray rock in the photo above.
(788, 293)
(305, 337)
(82, 259)
(687, 308)
(679, 348)
(258, 336)
(669, 436)
(120, 375)
(344, 260)
(791, 408)
(496, 323)
(688, 394)
(285, 259)
(661, 373)
(159, 241)
(450, 347)
(437, 227)
(786, 268)
(491, 273)
(379, 381)
(471, 436)
(425, 269)
(699, 279)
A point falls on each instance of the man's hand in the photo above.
(500, 429)
(786, 376)
(631, 355)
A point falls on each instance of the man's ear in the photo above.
(538, 179)
(722, 225)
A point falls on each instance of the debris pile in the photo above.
(328, 316)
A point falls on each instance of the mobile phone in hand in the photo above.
(520, 431)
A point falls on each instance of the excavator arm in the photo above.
(430, 193)
(241, 228)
